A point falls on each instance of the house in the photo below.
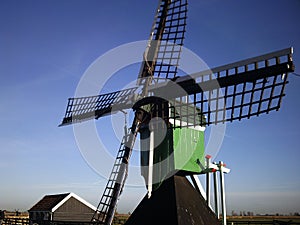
(61, 207)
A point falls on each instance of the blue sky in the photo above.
(45, 48)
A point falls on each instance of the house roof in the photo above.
(53, 202)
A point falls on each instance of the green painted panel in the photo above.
(188, 149)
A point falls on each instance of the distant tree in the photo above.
(17, 212)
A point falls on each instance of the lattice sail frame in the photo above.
(168, 56)
(162, 55)
(232, 92)
(93, 107)
(161, 60)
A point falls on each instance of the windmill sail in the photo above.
(161, 59)
(107, 205)
(92, 107)
(232, 92)
(162, 54)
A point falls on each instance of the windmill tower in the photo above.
(171, 114)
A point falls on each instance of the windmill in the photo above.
(172, 112)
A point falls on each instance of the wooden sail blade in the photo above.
(107, 206)
(160, 61)
(239, 90)
(166, 39)
(94, 107)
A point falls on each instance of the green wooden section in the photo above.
(175, 149)
(163, 159)
(188, 147)
(179, 150)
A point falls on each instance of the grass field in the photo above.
(276, 220)
(237, 220)
(120, 219)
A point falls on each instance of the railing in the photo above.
(14, 221)
(26, 221)
(18, 221)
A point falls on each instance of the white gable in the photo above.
(76, 197)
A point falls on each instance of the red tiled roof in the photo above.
(48, 202)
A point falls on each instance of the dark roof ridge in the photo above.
(48, 202)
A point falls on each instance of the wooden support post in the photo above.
(216, 190)
(150, 165)
(223, 203)
(208, 157)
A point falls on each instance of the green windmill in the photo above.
(171, 115)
